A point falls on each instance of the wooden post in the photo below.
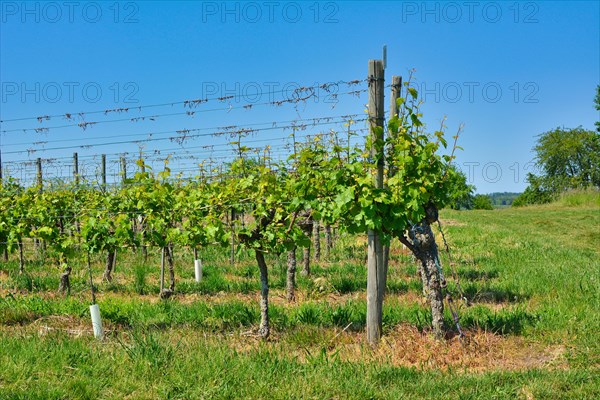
(40, 244)
(123, 169)
(396, 89)
(21, 258)
(162, 271)
(232, 249)
(76, 168)
(39, 174)
(293, 138)
(375, 259)
(349, 135)
(76, 180)
(143, 166)
(395, 95)
(5, 251)
(143, 228)
(103, 171)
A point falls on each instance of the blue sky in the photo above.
(507, 70)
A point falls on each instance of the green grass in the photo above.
(579, 198)
(145, 365)
(550, 256)
(532, 276)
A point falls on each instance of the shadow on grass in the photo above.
(397, 286)
(347, 284)
(504, 322)
(475, 275)
(492, 294)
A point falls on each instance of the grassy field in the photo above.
(532, 276)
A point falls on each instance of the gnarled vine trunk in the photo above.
(108, 269)
(64, 285)
(291, 275)
(264, 329)
(425, 250)
(306, 261)
(316, 233)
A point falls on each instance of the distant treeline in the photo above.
(500, 199)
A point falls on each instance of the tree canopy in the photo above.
(568, 159)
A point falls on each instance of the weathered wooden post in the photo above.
(123, 169)
(40, 177)
(5, 251)
(375, 259)
(40, 244)
(395, 95)
(103, 172)
(76, 168)
(232, 248)
(142, 165)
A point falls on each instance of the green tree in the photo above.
(535, 193)
(482, 202)
(502, 198)
(568, 159)
(461, 193)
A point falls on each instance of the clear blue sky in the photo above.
(509, 71)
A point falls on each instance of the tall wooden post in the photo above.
(232, 250)
(395, 95)
(40, 245)
(123, 169)
(375, 259)
(348, 136)
(396, 90)
(143, 166)
(5, 252)
(103, 171)
(39, 174)
(76, 168)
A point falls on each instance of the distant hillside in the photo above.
(502, 199)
